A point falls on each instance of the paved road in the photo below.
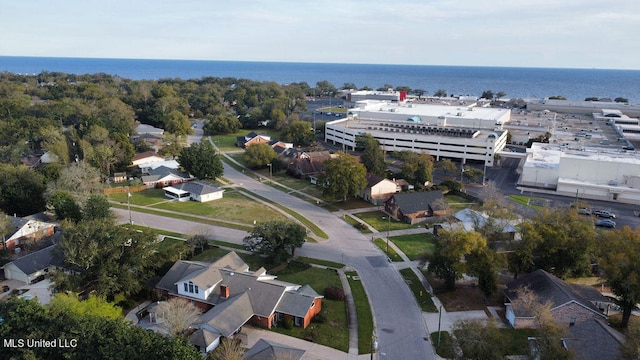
(400, 328)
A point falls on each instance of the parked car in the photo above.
(604, 214)
(608, 223)
(584, 211)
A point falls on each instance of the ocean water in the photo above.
(573, 84)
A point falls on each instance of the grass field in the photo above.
(414, 245)
(421, 294)
(334, 330)
(392, 254)
(227, 142)
(380, 221)
(363, 310)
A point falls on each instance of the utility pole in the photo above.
(129, 205)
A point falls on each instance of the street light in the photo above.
(270, 171)
(462, 170)
(129, 205)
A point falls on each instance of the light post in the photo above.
(462, 170)
(270, 171)
(129, 205)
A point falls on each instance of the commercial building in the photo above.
(453, 132)
(585, 173)
(390, 95)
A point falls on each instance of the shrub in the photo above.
(287, 323)
(310, 335)
(319, 318)
(334, 293)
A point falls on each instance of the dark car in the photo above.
(606, 223)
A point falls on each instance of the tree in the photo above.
(22, 190)
(201, 160)
(448, 166)
(558, 241)
(298, 132)
(109, 259)
(171, 145)
(344, 176)
(480, 340)
(485, 264)
(93, 305)
(620, 262)
(97, 207)
(450, 249)
(224, 123)
(417, 166)
(79, 180)
(472, 173)
(177, 123)
(229, 349)
(487, 94)
(621, 100)
(631, 347)
(87, 336)
(373, 157)
(418, 92)
(65, 207)
(548, 342)
(178, 314)
(440, 93)
(258, 155)
(197, 243)
(277, 240)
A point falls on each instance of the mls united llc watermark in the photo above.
(40, 343)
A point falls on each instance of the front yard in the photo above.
(415, 246)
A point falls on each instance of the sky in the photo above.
(520, 33)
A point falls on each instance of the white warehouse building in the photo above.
(588, 173)
(449, 132)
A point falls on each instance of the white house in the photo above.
(34, 266)
(200, 191)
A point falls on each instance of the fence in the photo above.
(123, 189)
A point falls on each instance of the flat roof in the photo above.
(549, 155)
(430, 110)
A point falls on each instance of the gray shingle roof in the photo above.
(268, 350)
(203, 337)
(410, 203)
(298, 303)
(39, 260)
(230, 315)
(199, 187)
(551, 289)
(593, 339)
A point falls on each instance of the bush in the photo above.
(360, 226)
(319, 318)
(334, 293)
(287, 323)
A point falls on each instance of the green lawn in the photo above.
(392, 254)
(365, 319)
(414, 245)
(350, 204)
(142, 198)
(379, 221)
(353, 222)
(525, 200)
(423, 297)
(334, 331)
(330, 264)
(233, 207)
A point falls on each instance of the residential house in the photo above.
(119, 177)
(35, 266)
(594, 339)
(233, 296)
(416, 207)
(146, 158)
(471, 220)
(164, 176)
(569, 303)
(150, 135)
(201, 191)
(303, 164)
(170, 163)
(25, 230)
(252, 138)
(378, 189)
(403, 185)
(269, 350)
